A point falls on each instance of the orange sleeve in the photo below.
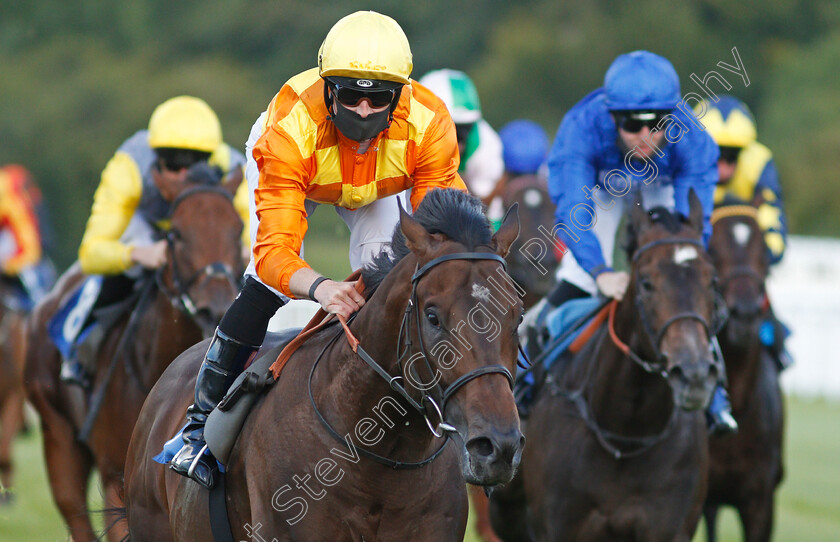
(280, 196)
(437, 160)
(17, 214)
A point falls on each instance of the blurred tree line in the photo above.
(79, 77)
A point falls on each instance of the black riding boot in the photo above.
(224, 361)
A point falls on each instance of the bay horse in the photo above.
(531, 264)
(617, 437)
(187, 298)
(383, 467)
(12, 351)
(530, 268)
(746, 467)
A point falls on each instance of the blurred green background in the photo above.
(79, 77)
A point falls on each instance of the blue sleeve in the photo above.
(571, 166)
(697, 169)
(770, 189)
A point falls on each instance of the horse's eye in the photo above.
(646, 285)
(432, 318)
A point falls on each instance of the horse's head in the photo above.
(526, 264)
(460, 330)
(204, 262)
(671, 286)
(740, 255)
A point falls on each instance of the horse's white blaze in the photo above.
(741, 233)
(533, 198)
(482, 293)
(682, 255)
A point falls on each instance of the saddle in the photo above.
(225, 422)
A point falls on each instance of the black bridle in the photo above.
(654, 337)
(427, 405)
(179, 293)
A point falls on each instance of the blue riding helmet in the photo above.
(525, 146)
(641, 80)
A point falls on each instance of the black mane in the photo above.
(453, 213)
(673, 222)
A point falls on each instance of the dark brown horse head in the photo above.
(204, 263)
(467, 311)
(672, 288)
(527, 264)
(739, 253)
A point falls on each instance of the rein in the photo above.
(441, 429)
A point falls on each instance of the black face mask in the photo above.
(354, 127)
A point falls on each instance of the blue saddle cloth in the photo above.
(562, 318)
(65, 327)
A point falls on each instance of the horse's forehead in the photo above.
(685, 254)
(741, 233)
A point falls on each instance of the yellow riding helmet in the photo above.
(729, 121)
(185, 122)
(366, 45)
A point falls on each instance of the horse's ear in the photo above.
(416, 237)
(695, 211)
(639, 217)
(508, 231)
(233, 179)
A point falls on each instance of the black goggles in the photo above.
(351, 97)
(178, 159)
(634, 121)
(729, 154)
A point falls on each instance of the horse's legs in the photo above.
(508, 513)
(710, 515)
(115, 520)
(757, 517)
(481, 508)
(68, 466)
(11, 410)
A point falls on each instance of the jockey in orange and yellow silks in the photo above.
(20, 236)
(301, 155)
(352, 133)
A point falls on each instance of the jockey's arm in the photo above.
(571, 167)
(280, 199)
(437, 160)
(114, 204)
(17, 214)
(696, 169)
(771, 212)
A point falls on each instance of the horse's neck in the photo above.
(357, 394)
(626, 399)
(743, 366)
(163, 332)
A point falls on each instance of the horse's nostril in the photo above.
(480, 447)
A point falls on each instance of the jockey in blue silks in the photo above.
(625, 138)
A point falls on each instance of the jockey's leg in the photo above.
(773, 334)
(237, 340)
(719, 413)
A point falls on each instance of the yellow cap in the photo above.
(185, 122)
(366, 45)
(737, 129)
